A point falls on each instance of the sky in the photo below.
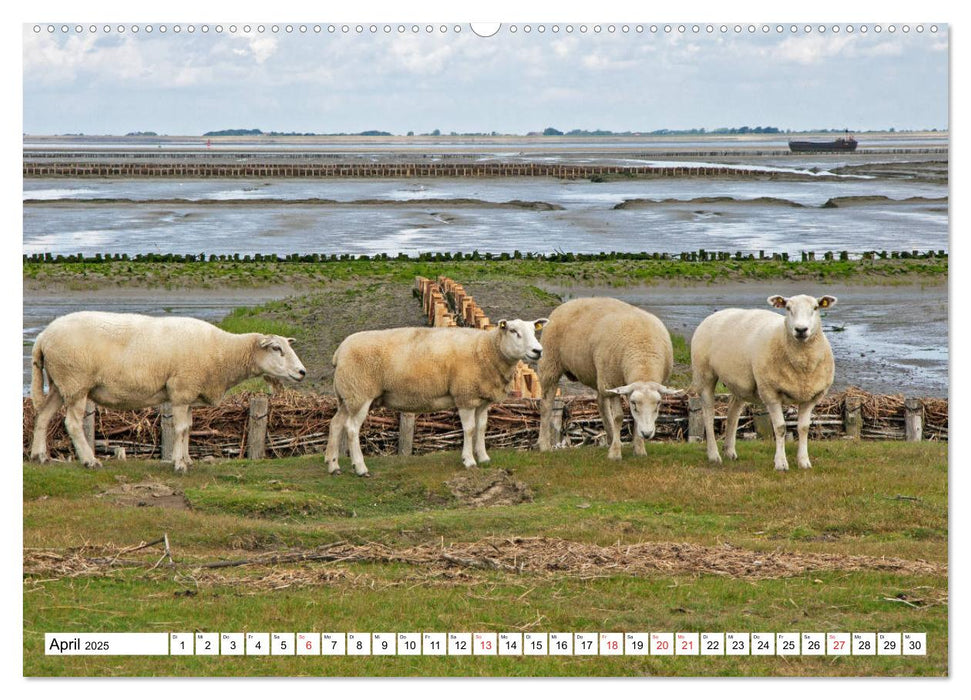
(97, 82)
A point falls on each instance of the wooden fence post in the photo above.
(763, 424)
(88, 423)
(406, 433)
(259, 410)
(913, 419)
(168, 431)
(696, 422)
(852, 417)
(556, 422)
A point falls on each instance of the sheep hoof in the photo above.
(181, 468)
(731, 454)
(336, 472)
(805, 464)
(782, 467)
(365, 475)
(715, 459)
(485, 462)
(40, 458)
(468, 463)
(93, 464)
(615, 456)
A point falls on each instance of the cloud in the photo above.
(257, 46)
(54, 60)
(807, 50)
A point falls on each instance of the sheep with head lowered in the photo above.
(129, 361)
(615, 348)
(764, 356)
(416, 370)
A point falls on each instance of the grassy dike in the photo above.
(883, 501)
(618, 271)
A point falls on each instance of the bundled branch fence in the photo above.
(257, 426)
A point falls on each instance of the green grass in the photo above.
(878, 499)
(608, 272)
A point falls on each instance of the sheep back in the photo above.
(421, 369)
(605, 343)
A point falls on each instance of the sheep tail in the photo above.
(37, 375)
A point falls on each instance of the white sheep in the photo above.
(416, 370)
(129, 361)
(763, 356)
(615, 348)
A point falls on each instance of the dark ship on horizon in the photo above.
(845, 143)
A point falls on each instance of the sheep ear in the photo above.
(668, 391)
(539, 323)
(778, 301)
(266, 341)
(291, 341)
(827, 301)
(621, 390)
(502, 324)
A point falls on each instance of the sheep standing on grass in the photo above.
(416, 370)
(128, 361)
(615, 348)
(762, 356)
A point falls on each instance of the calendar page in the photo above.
(516, 349)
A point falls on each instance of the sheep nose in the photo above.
(537, 352)
(801, 331)
(302, 372)
(647, 435)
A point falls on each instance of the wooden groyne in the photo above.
(257, 426)
(193, 169)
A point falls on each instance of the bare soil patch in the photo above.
(146, 494)
(480, 488)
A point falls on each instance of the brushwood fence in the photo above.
(289, 423)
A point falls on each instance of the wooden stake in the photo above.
(406, 433)
(259, 410)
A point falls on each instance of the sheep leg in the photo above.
(639, 447)
(335, 439)
(481, 420)
(708, 413)
(468, 418)
(779, 428)
(74, 422)
(549, 383)
(802, 427)
(42, 421)
(616, 408)
(735, 406)
(603, 403)
(181, 422)
(352, 426)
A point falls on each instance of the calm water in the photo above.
(392, 216)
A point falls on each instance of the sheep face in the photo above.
(276, 358)
(518, 339)
(645, 404)
(802, 314)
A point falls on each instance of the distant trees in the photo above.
(550, 131)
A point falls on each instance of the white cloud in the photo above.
(259, 46)
(811, 49)
(50, 60)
